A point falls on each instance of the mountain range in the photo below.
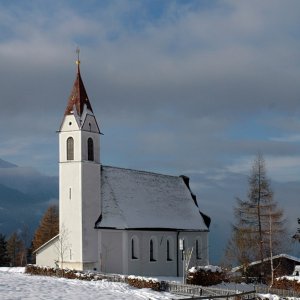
(25, 195)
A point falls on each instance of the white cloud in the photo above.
(289, 138)
(279, 168)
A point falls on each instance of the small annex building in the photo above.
(283, 264)
(118, 220)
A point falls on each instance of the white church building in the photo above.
(118, 220)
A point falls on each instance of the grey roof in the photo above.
(134, 199)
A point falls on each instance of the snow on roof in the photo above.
(137, 199)
(296, 259)
(277, 256)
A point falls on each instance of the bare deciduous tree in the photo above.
(62, 245)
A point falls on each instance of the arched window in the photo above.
(90, 143)
(70, 148)
(169, 249)
(152, 250)
(134, 248)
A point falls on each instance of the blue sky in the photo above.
(178, 87)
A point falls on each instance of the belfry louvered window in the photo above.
(90, 149)
(70, 148)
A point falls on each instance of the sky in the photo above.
(178, 87)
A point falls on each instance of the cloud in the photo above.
(290, 138)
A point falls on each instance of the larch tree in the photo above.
(259, 227)
(15, 250)
(48, 227)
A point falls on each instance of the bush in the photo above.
(135, 281)
(66, 273)
(143, 282)
(206, 275)
(286, 284)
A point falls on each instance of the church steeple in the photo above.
(78, 98)
(79, 178)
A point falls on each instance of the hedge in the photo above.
(135, 281)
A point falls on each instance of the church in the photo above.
(118, 220)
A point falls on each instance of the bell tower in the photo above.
(79, 180)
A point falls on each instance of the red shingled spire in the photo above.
(78, 97)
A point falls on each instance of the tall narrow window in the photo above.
(90, 149)
(151, 251)
(198, 248)
(70, 148)
(134, 248)
(169, 257)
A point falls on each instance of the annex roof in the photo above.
(283, 255)
(78, 98)
(134, 199)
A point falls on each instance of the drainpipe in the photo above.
(177, 246)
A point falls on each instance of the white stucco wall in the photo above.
(91, 210)
(79, 193)
(111, 250)
(47, 255)
(116, 256)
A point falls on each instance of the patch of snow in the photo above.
(16, 285)
(268, 296)
(142, 278)
(205, 268)
(291, 278)
(12, 269)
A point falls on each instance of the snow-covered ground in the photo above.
(14, 284)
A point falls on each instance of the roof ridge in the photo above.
(141, 171)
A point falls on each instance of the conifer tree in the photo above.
(4, 259)
(48, 228)
(251, 234)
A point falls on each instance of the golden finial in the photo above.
(77, 51)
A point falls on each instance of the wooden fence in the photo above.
(200, 292)
(282, 293)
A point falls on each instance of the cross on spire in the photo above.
(78, 52)
(78, 97)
